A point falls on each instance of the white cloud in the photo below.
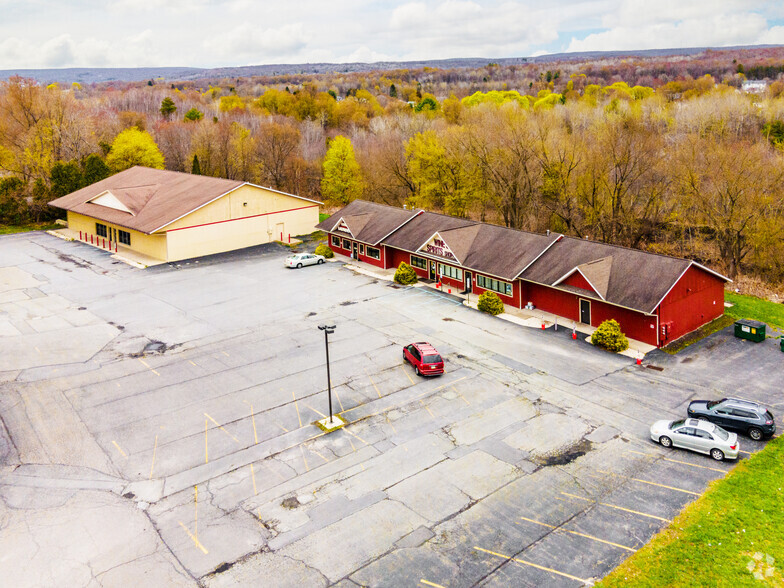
(716, 30)
(248, 40)
(209, 33)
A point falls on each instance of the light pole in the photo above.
(327, 330)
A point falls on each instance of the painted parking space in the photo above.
(433, 481)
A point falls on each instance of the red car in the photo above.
(425, 359)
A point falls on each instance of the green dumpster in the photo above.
(751, 330)
(782, 343)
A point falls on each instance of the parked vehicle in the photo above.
(696, 435)
(425, 359)
(745, 416)
(299, 259)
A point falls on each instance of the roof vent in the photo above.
(405, 207)
(548, 232)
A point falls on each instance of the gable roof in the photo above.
(619, 275)
(492, 249)
(368, 222)
(153, 198)
(627, 277)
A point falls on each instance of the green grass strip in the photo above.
(759, 309)
(10, 229)
(732, 532)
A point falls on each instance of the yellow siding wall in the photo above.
(152, 245)
(255, 216)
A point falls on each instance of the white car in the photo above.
(299, 259)
(696, 435)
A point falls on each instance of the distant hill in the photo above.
(89, 75)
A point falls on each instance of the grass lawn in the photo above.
(8, 229)
(751, 307)
(722, 538)
(323, 216)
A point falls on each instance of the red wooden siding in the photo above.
(360, 256)
(697, 298)
(513, 300)
(578, 281)
(635, 324)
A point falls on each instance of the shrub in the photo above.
(490, 302)
(405, 274)
(324, 250)
(610, 337)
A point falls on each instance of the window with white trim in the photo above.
(335, 241)
(418, 262)
(346, 244)
(450, 272)
(374, 253)
(361, 249)
(504, 288)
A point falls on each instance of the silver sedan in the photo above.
(299, 259)
(696, 435)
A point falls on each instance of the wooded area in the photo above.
(664, 154)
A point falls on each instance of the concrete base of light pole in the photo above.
(333, 425)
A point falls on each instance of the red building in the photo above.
(655, 298)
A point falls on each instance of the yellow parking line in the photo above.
(410, 379)
(427, 408)
(694, 465)
(224, 353)
(299, 418)
(339, 401)
(154, 450)
(282, 427)
(206, 452)
(352, 445)
(221, 428)
(433, 584)
(253, 420)
(746, 452)
(654, 484)
(144, 363)
(450, 383)
(307, 467)
(533, 565)
(357, 436)
(119, 449)
(591, 537)
(374, 385)
(195, 540)
(391, 425)
(191, 362)
(316, 411)
(615, 506)
(196, 511)
(321, 456)
(253, 476)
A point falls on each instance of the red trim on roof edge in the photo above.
(243, 218)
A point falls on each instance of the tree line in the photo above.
(691, 167)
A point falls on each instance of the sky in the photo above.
(215, 33)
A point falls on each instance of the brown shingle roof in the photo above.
(369, 222)
(155, 197)
(634, 279)
(491, 249)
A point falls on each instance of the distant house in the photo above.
(754, 86)
(169, 216)
(655, 298)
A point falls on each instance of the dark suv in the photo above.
(425, 359)
(733, 413)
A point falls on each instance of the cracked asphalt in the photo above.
(157, 426)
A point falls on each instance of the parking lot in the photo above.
(159, 424)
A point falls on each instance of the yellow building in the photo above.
(170, 216)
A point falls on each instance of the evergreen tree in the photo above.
(392, 91)
(95, 169)
(193, 115)
(168, 107)
(65, 178)
(195, 167)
